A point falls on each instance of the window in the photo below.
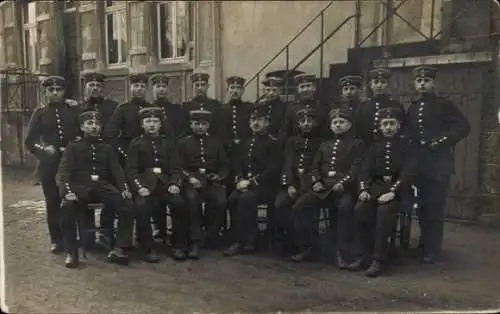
(69, 4)
(88, 27)
(30, 37)
(137, 25)
(173, 29)
(116, 33)
(10, 44)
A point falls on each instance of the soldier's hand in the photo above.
(292, 191)
(242, 185)
(364, 196)
(51, 150)
(195, 182)
(339, 187)
(144, 192)
(385, 198)
(127, 195)
(318, 186)
(174, 189)
(70, 197)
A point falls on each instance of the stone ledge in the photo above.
(466, 57)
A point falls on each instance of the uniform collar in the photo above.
(95, 100)
(162, 101)
(92, 139)
(152, 136)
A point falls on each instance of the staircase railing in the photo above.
(286, 48)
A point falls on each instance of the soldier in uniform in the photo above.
(88, 171)
(235, 116)
(205, 167)
(367, 119)
(350, 93)
(296, 178)
(256, 177)
(125, 123)
(202, 102)
(388, 169)
(306, 89)
(94, 99)
(175, 123)
(50, 130)
(334, 171)
(153, 171)
(436, 125)
(275, 106)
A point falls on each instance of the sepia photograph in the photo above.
(250, 156)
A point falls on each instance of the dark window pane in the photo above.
(112, 43)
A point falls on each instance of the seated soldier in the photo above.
(256, 180)
(334, 173)
(204, 166)
(296, 176)
(152, 168)
(87, 173)
(386, 172)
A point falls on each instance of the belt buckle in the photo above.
(157, 170)
(62, 149)
(249, 175)
(300, 170)
(422, 142)
(202, 170)
(94, 177)
(236, 141)
(332, 173)
(387, 178)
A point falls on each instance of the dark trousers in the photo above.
(374, 226)
(113, 201)
(214, 196)
(432, 194)
(283, 215)
(243, 206)
(157, 203)
(306, 214)
(53, 205)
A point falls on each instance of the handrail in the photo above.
(319, 46)
(320, 14)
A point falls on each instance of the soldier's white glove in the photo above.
(364, 196)
(292, 191)
(51, 150)
(70, 197)
(144, 192)
(242, 185)
(195, 182)
(72, 102)
(174, 189)
(126, 195)
(339, 187)
(385, 198)
(318, 186)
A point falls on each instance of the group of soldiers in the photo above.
(358, 158)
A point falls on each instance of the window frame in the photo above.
(175, 59)
(33, 25)
(109, 10)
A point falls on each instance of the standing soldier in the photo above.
(94, 99)
(296, 178)
(174, 118)
(90, 171)
(367, 119)
(205, 167)
(125, 123)
(350, 93)
(50, 130)
(153, 172)
(235, 117)
(202, 102)
(436, 125)
(306, 89)
(256, 180)
(275, 106)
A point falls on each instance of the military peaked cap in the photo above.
(391, 113)
(235, 80)
(93, 77)
(425, 71)
(307, 112)
(351, 80)
(259, 110)
(138, 78)
(195, 77)
(379, 73)
(272, 81)
(54, 80)
(159, 78)
(151, 112)
(90, 115)
(200, 115)
(304, 78)
(340, 113)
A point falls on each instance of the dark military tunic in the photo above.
(290, 122)
(175, 121)
(366, 119)
(104, 106)
(389, 166)
(57, 125)
(436, 125)
(125, 125)
(236, 116)
(208, 104)
(276, 114)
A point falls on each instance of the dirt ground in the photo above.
(38, 282)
